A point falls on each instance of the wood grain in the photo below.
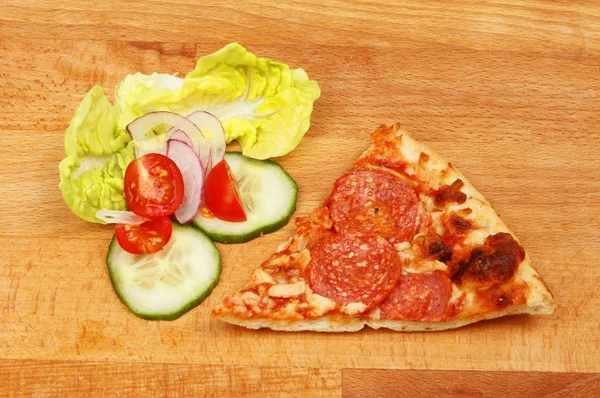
(61, 379)
(471, 384)
(507, 90)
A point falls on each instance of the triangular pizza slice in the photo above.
(403, 242)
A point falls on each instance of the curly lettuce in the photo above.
(263, 104)
(91, 176)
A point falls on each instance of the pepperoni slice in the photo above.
(418, 297)
(377, 201)
(354, 267)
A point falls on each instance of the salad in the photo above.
(155, 165)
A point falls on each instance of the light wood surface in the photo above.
(507, 90)
(471, 384)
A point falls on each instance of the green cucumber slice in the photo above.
(169, 283)
(269, 196)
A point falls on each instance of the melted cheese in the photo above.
(425, 266)
(354, 308)
(259, 276)
(284, 245)
(319, 304)
(287, 290)
(300, 260)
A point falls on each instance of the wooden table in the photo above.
(508, 91)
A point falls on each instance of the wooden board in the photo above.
(409, 383)
(508, 91)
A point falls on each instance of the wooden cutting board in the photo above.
(508, 91)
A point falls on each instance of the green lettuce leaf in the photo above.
(264, 105)
(91, 176)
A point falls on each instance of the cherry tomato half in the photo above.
(153, 186)
(221, 194)
(145, 238)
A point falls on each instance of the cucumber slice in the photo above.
(269, 196)
(169, 283)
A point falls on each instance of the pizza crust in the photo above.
(437, 171)
(324, 324)
(411, 326)
(539, 298)
(329, 324)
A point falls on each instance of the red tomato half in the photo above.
(221, 194)
(153, 186)
(145, 238)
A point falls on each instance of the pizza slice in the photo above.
(403, 242)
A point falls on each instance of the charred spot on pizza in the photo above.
(503, 301)
(495, 261)
(441, 251)
(456, 225)
(459, 224)
(450, 193)
(435, 247)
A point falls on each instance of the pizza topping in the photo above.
(400, 169)
(300, 260)
(423, 252)
(321, 217)
(405, 253)
(354, 268)
(277, 261)
(251, 298)
(503, 301)
(434, 247)
(259, 276)
(423, 157)
(283, 266)
(311, 228)
(419, 297)
(319, 304)
(495, 261)
(427, 266)
(353, 308)
(287, 289)
(458, 300)
(457, 230)
(450, 193)
(289, 311)
(456, 225)
(375, 201)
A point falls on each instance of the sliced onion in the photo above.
(212, 129)
(204, 154)
(180, 135)
(119, 217)
(140, 126)
(189, 164)
(157, 144)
